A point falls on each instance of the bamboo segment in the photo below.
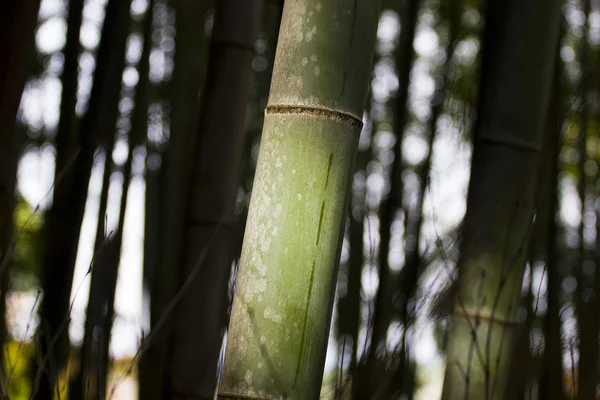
(520, 41)
(282, 307)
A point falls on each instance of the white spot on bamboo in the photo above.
(310, 34)
(304, 61)
(312, 101)
(260, 265)
(248, 377)
(265, 244)
(295, 83)
(244, 330)
(272, 315)
(261, 285)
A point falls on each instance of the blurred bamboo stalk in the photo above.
(514, 93)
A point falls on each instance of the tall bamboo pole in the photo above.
(519, 45)
(17, 45)
(210, 229)
(282, 306)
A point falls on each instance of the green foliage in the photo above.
(27, 254)
(17, 359)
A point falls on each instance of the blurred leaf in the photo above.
(27, 253)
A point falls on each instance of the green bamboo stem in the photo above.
(519, 45)
(282, 307)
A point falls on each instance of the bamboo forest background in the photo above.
(116, 93)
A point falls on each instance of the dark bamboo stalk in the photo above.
(17, 27)
(407, 281)
(405, 56)
(551, 379)
(201, 316)
(66, 215)
(168, 198)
